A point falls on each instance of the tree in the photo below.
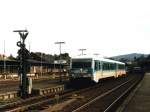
(11, 57)
(148, 57)
(35, 56)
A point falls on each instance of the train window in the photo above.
(105, 66)
(99, 65)
(112, 66)
(109, 66)
(120, 66)
(81, 64)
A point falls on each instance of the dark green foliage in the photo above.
(142, 61)
(11, 57)
(35, 56)
(48, 57)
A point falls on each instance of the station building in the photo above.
(10, 68)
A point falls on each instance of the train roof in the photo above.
(97, 58)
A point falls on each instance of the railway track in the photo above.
(8, 86)
(29, 103)
(42, 102)
(34, 102)
(110, 100)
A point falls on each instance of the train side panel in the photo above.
(103, 70)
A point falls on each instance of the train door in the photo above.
(101, 64)
(96, 71)
(116, 74)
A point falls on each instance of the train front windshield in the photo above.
(81, 66)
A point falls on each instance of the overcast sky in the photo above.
(107, 27)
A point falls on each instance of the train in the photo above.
(95, 68)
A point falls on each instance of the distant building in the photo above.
(129, 62)
(2, 57)
(60, 62)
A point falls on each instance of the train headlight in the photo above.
(72, 75)
(89, 75)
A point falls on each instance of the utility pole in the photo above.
(4, 62)
(29, 47)
(96, 54)
(22, 52)
(82, 51)
(30, 55)
(41, 64)
(60, 58)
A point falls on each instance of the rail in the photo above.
(33, 103)
(114, 103)
(39, 100)
(120, 98)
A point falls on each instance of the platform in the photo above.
(40, 88)
(139, 99)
